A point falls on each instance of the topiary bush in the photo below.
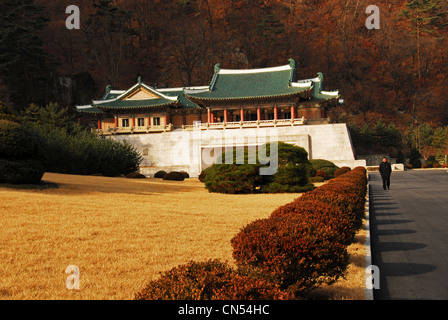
(233, 178)
(325, 165)
(316, 211)
(322, 173)
(135, 175)
(291, 175)
(341, 171)
(185, 174)
(174, 175)
(160, 174)
(209, 280)
(297, 253)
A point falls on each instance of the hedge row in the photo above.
(302, 245)
(210, 280)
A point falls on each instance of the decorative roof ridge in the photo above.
(330, 93)
(258, 70)
(309, 89)
(302, 84)
(135, 86)
(196, 90)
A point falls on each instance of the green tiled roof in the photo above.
(179, 93)
(247, 84)
(226, 84)
(135, 104)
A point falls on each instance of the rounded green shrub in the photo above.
(17, 141)
(20, 154)
(233, 178)
(291, 175)
(21, 171)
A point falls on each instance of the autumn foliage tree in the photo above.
(396, 73)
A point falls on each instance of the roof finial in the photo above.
(292, 63)
(139, 79)
(217, 67)
(108, 88)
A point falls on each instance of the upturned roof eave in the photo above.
(246, 98)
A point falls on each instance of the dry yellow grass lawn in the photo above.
(122, 233)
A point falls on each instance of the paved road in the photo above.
(409, 234)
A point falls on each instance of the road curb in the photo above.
(368, 291)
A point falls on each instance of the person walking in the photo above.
(385, 171)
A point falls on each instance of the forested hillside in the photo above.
(397, 73)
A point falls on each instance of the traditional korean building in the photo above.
(187, 128)
(233, 99)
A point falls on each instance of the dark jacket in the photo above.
(385, 169)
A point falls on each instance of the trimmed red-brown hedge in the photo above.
(321, 213)
(210, 280)
(292, 250)
(302, 245)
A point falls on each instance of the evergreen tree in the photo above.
(24, 64)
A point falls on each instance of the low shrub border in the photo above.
(210, 280)
(301, 246)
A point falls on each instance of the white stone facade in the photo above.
(194, 150)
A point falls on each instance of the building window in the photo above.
(237, 117)
(253, 117)
(287, 115)
(156, 121)
(141, 122)
(270, 116)
(125, 123)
